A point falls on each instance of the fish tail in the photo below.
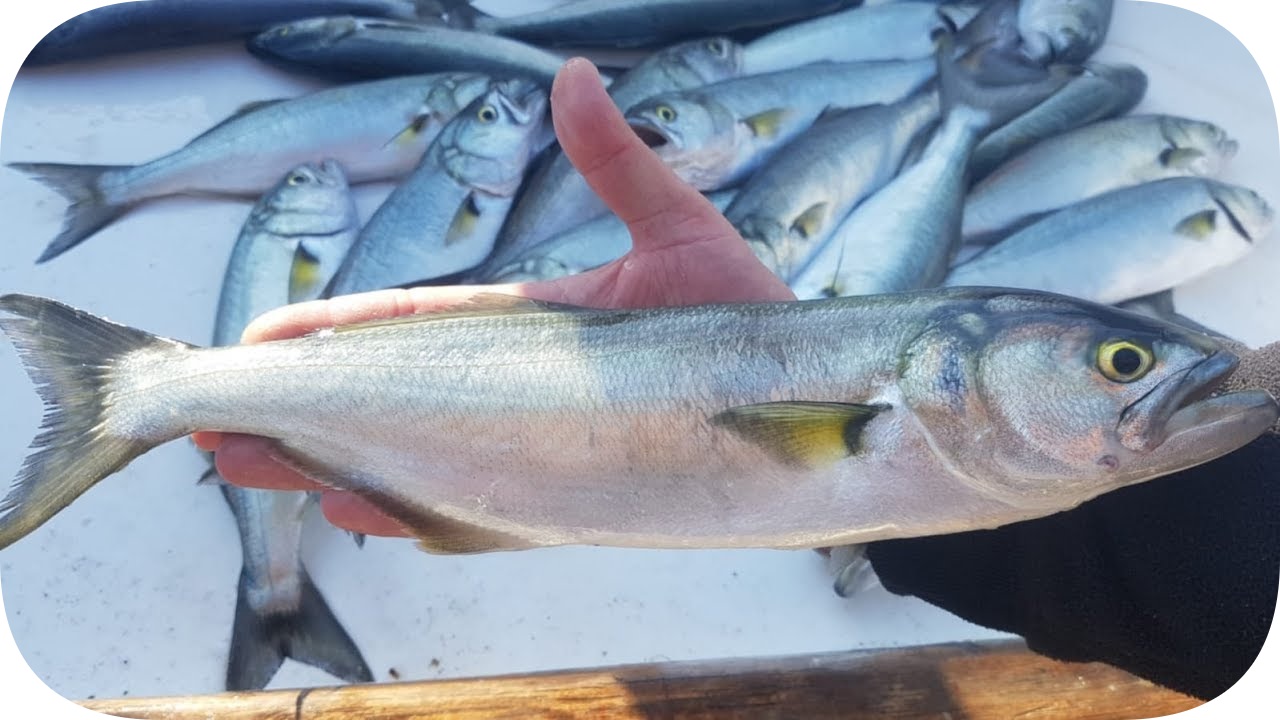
(991, 85)
(71, 357)
(309, 634)
(89, 210)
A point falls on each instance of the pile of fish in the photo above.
(859, 148)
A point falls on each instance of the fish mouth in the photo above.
(1181, 404)
(650, 134)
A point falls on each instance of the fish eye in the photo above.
(716, 47)
(487, 114)
(298, 179)
(665, 113)
(1124, 361)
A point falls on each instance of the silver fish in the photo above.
(637, 23)
(1088, 162)
(790, 206)
(1066, 31)
(443, 218)
(377, 130)
(1127, 243)
(896, 31)
(716, 136)
(508, 423)
(904, 236)
(590, 245)
(348, 47)
(1100, 93)
(293, 241)
(129, 27)
(556, 197)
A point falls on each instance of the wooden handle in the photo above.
(970, 680)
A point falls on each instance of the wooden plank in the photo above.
(969, 681)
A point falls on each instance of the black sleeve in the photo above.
(1173, 580)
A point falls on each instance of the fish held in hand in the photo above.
(508, 423)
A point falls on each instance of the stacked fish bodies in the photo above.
(852, 168)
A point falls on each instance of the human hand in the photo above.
(1173, 580)
(683, 252)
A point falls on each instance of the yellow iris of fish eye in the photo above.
(666, 113)
(487, 114)
(1124, 361)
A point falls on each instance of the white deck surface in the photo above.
(131, 589)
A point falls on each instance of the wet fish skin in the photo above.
(1101, 92)
(894, 31)
(129, 27)
(788, 209)
(587, 246)
(376, 130)
(443, 218)
(1127, 243)
(511, 424)
(346, 47)
(715, 136)
(1063, 30)
(291, 244)
(640, 23)
(1088, 162)
(556, 197)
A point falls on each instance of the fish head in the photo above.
(1062, 31)
(489, 144)
(695, 136)
(1246, 212)
(705, 60)
(1044, 401)
(302, 38)
(1200, 148)
(311, 199)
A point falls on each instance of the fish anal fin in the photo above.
(804, 434)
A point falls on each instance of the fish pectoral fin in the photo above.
(811, 220)
(808, 434)
(410, 134)
(211, 477)
(304, 274)
(766, 124)
(1178, 157)
(464, 221)
(439, 534)
(1198, 226)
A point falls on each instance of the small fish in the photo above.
(1088, 162)
(507, 423)
(346, 47)
(1127, 243)
(904, 236)
(1101, 92)
(376, 130)
(293, 241)
(590, 245)
(1064, 31)
(715, 136)
(556, 197)
(896, 31)
(790, 206)
(130, 27)
(443, 218)
(646, 23)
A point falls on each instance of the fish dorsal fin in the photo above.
(479, 305)
(304, 274)
(804, 434)
(1181, 158)
(464, 221)
(1198, 226)
(766, 124)
(811, 220)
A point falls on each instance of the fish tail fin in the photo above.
(990, 85)
(310, 634)
(71, 356)
(89, 210)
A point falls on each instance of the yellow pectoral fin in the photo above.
(1180, 157)
(304, 275)
(811, 220)
(410, 134)
(1198, 226)
(766, 124)
(464, 221)
(808, 434)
